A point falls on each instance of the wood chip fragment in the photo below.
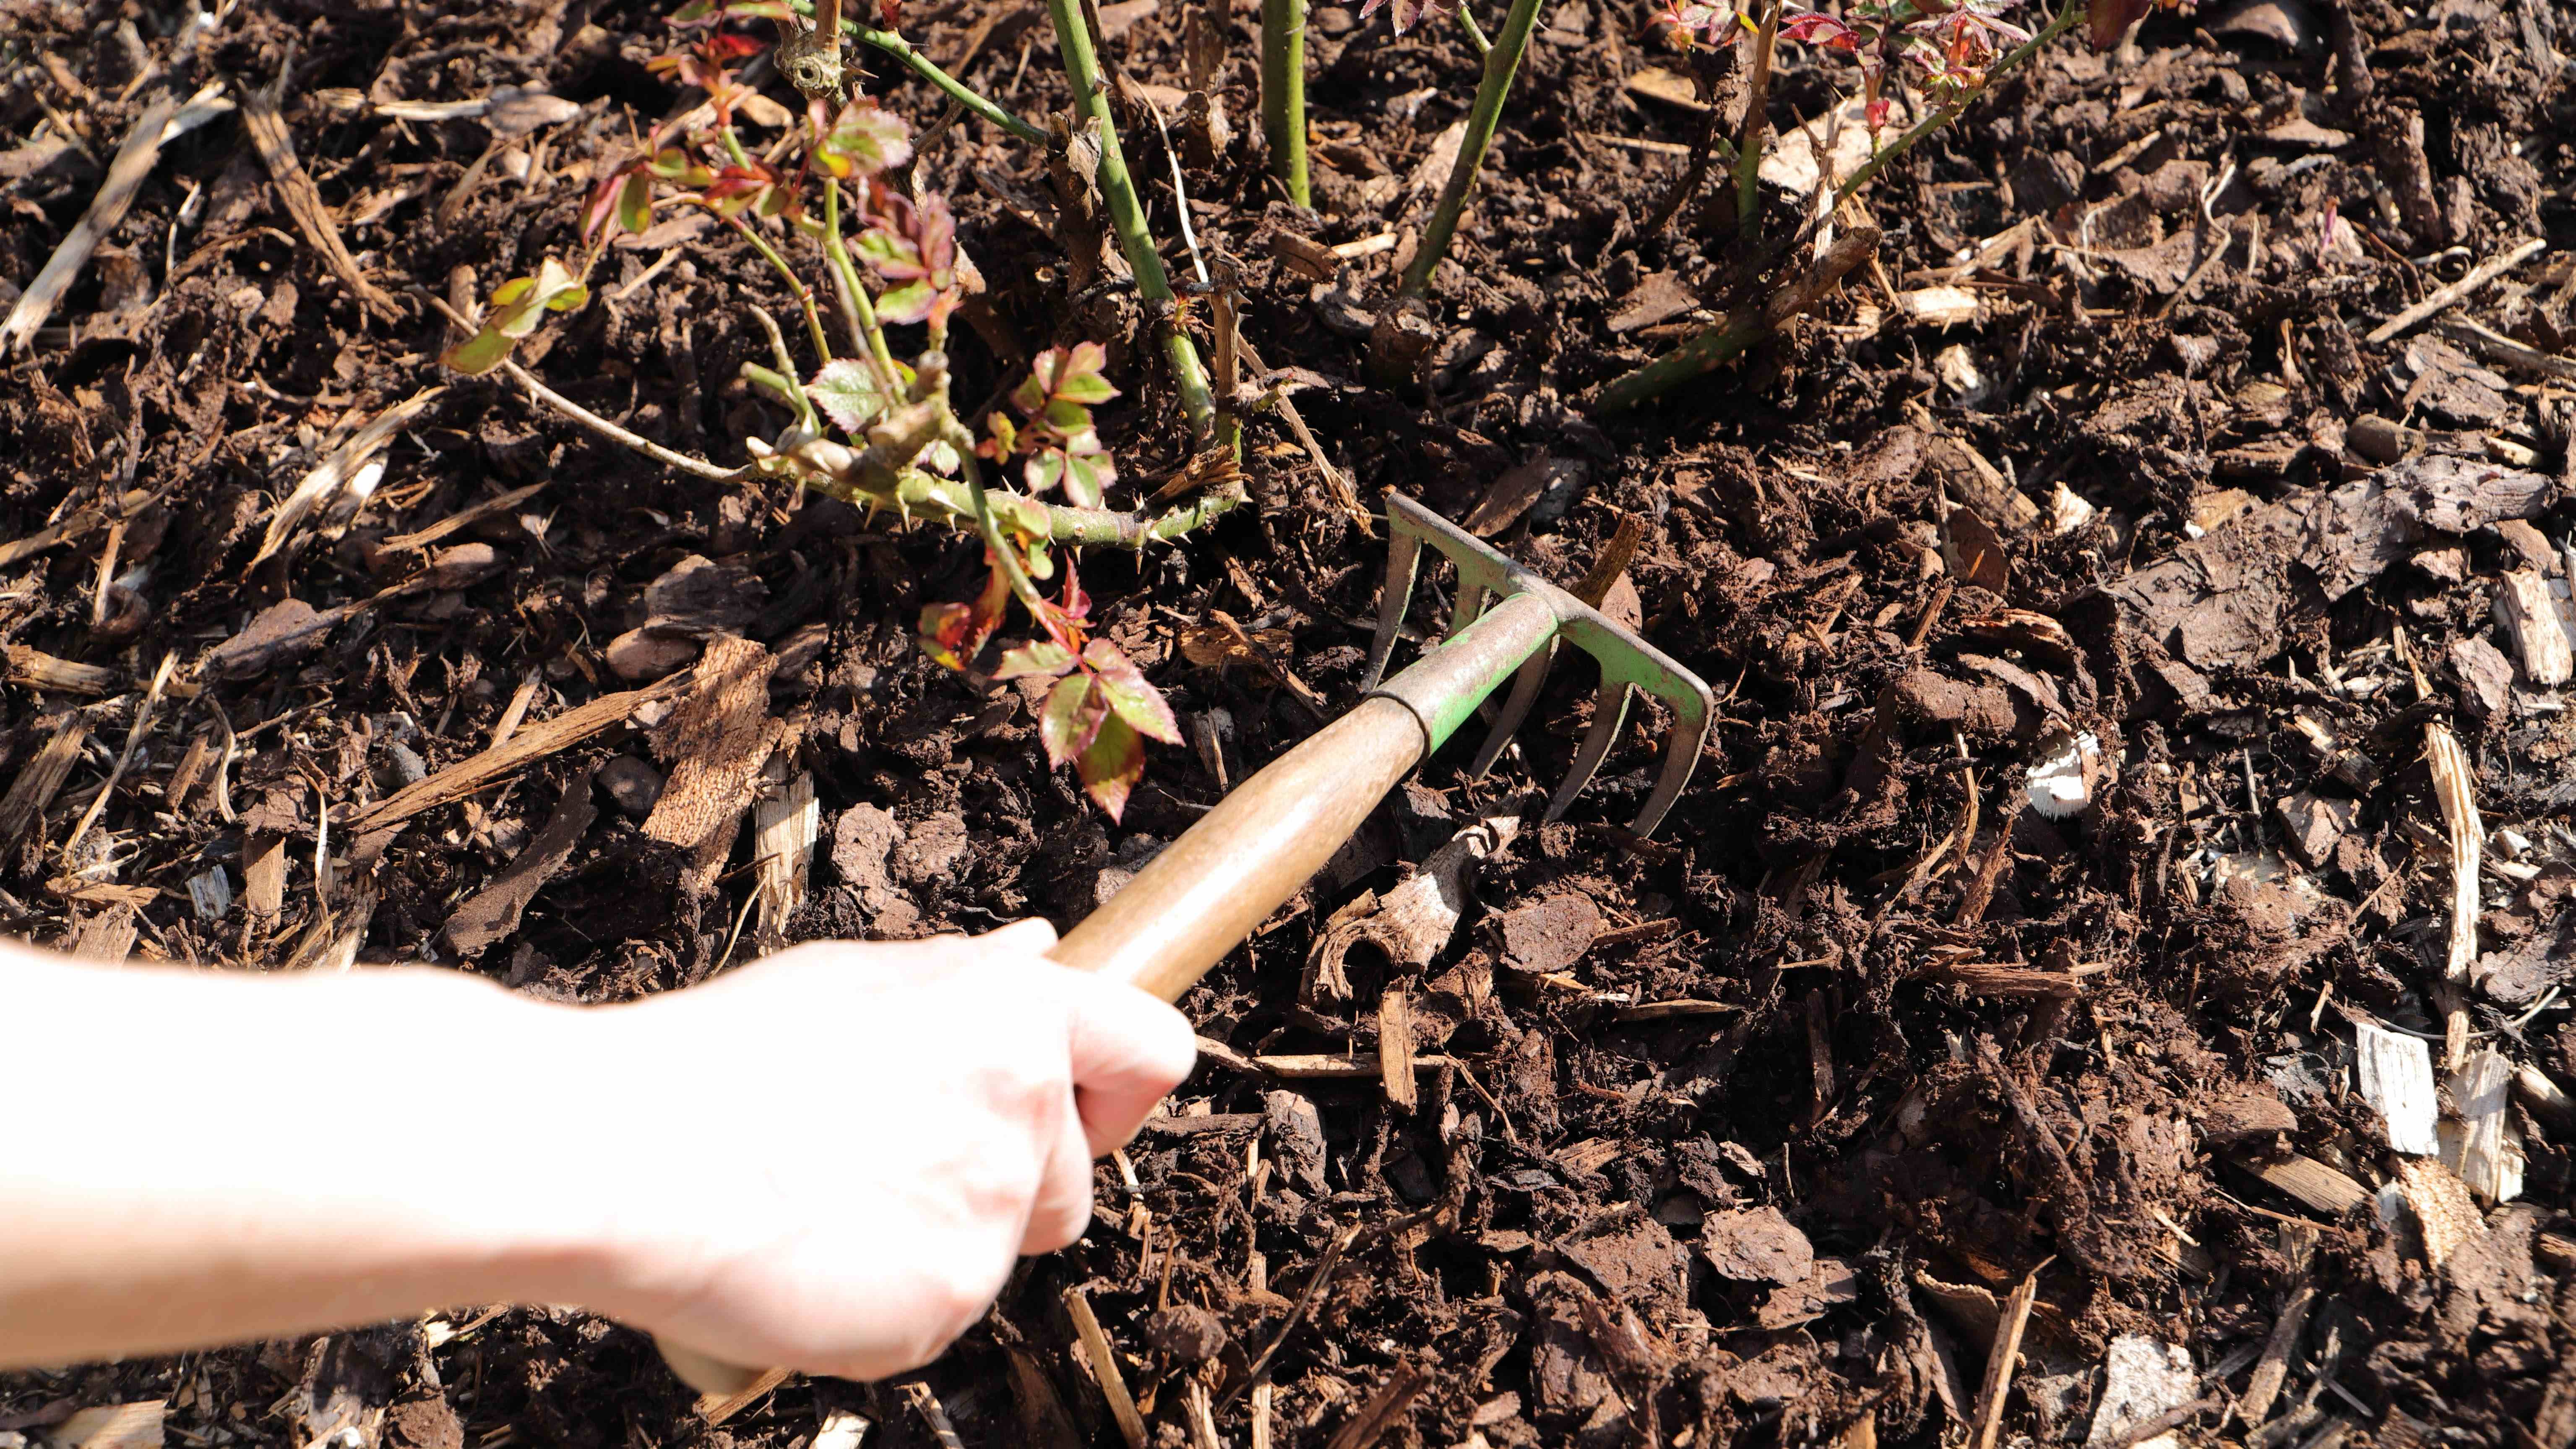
(1383, 1411)
(1395, 1046)
(2451, 296)
(2255, 1404)
(115, 1426)
(352, 468)
(492, 913)
(2445, 1213)
(2314, 1183)
(37, 669)
(269, 136)
(2452, 788)
(2394, 1073)
(2481, 1147)
(716, 741)
(1103, 1363)
(40, 778)
(2531, 618)
(783, 830)
(716, 1408)
(2001, 1357)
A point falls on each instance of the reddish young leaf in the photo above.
(1135, 700)
(1809, 27)
(1406, 14)
(1111, 765)
(860, 141)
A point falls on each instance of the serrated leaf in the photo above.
(910, 302)
(1072, 715)
(1039, 658)
(846, 391)
(1111, 765)
(1129, 694)
(942, 625)
(1087, 477)
(862, 141)
(1044, 469)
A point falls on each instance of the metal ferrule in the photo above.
(1445, 686)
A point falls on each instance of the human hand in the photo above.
(837, 1153)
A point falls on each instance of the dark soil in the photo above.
(2096, 1049)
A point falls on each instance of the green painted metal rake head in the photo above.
(1508, 621)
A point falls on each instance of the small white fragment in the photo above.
(2395, 1073)
(2141, 1379)
(2060, 780)
(841, 1430)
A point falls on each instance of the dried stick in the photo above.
(2450, 769)
(1999, 1362)
(2450, 296)
(1104, 1368)
(125, 757)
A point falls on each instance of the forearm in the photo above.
(200, 1158)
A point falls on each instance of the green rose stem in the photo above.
(1502, 61)
(1283, 92)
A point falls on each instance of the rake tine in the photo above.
(1691, 713)
(1403, 558)
(1472, 599)
(1609, 712)
(1516, 708)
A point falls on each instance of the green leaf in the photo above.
(910, 302)
(478, 354)
(635, 203)
(1072, 716)
(1044, 469)
(846, 390)
(1087, 477)
(863, 141)
(1039, 658)
(1133, 699)
(1111, 765)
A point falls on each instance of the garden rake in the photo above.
(1204, 894)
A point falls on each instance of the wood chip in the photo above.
(2481, 1147)
(2445, 1213)
(1395, 1046)
(2451, 296)
(716, 743)
(2451, 786)
(492, 913)
(268, 136)
(1383, 1411)
(2530, 615)
(2143, 1380)
(2394, 1073)
(2001, 1356)
(1103, 1363)
(2255, 1404)
(1667, 87)
(40, 778)
(716, 1408)
(783, 830)
(117, 1426)
(37, 669)
(2314, 1183)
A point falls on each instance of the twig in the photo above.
(2450, 770)
(2450, 296)
(933, 1413)
(164, 122)
(125, 756)
(276, 147)
(1999, 1360)
(1104, 1368)
(1306, 1301)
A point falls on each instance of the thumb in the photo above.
(1033, 935)
(1127, 1050)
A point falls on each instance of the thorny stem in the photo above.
(1005, 557)
(1127, 213)
(922, 65)
(804, 295)
(859, 309)
(1283, 93)
(1725, 339)
(1476, 40)
(2066, 19)
(1501, 61)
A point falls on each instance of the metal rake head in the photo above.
(1485, 579)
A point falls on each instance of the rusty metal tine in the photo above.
(1691, 712)
(1472, 599)
(1609, 712)
(1403, 559)
(1516, 708)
